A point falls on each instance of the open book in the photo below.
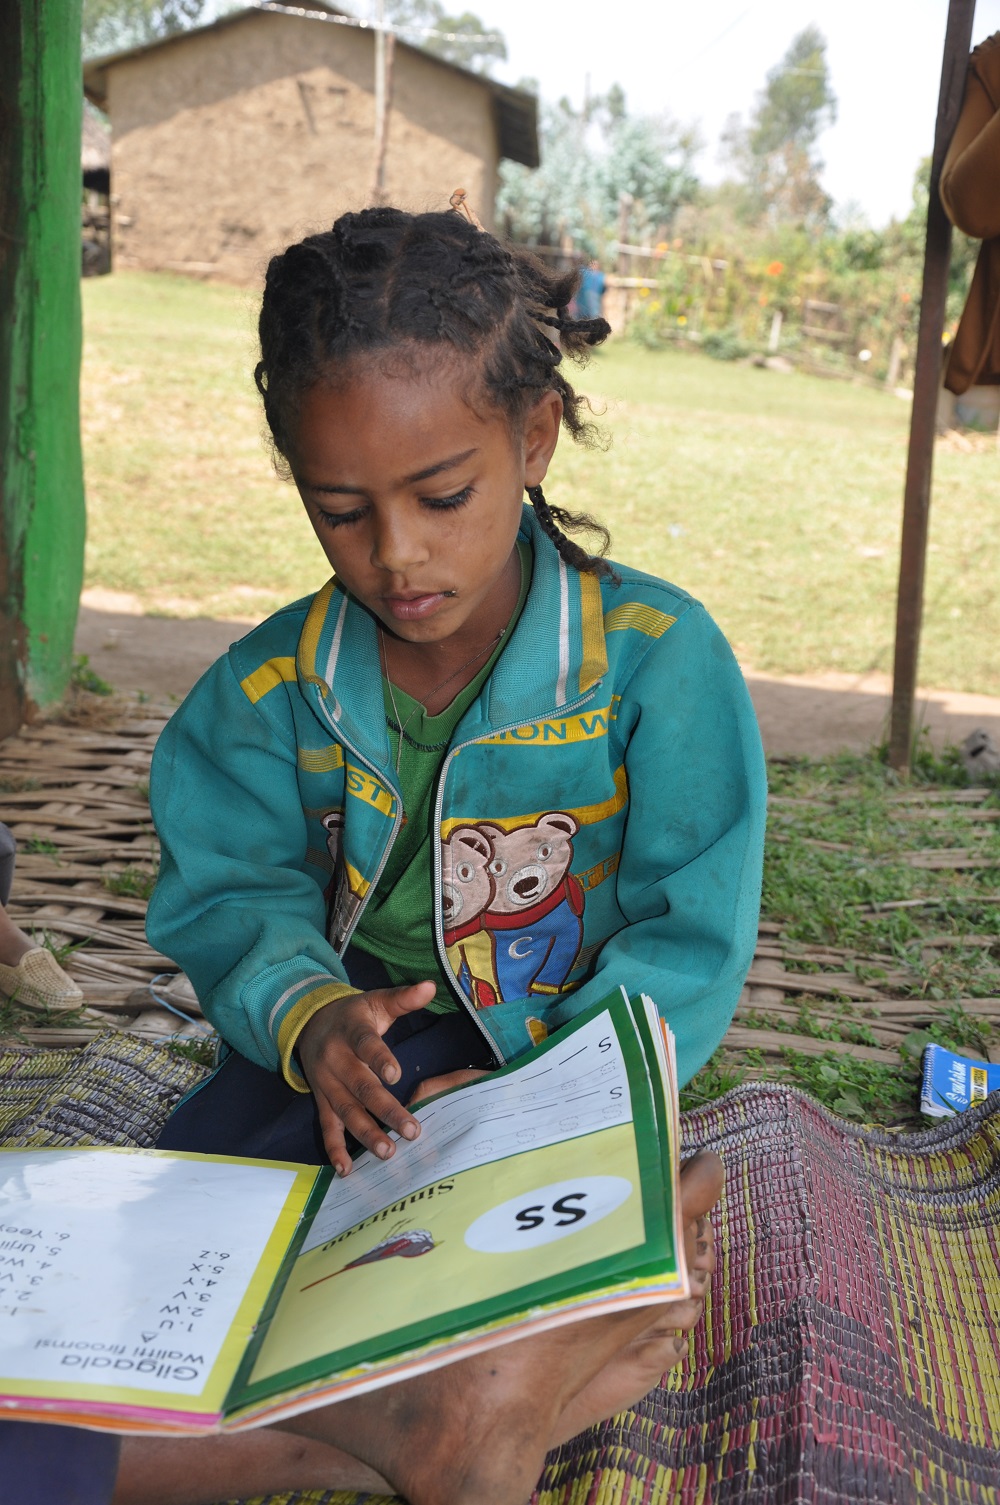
(150, 1291)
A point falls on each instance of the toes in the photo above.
(702, 1179)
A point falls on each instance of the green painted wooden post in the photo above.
(42, 515)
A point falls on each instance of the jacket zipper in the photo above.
(397, 822)
(468, 1005)
(439, 945)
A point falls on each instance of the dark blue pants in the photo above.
(55, 1465)
(242, 1109)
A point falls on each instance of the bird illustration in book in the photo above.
(407, 1245)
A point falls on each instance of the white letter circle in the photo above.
(547, 1213)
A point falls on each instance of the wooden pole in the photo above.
(625, 202)
(41, 468)
(385, 50)
(926, 385)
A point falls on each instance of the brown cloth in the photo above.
(970, 192)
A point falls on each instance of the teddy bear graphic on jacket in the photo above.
(466, 890)
(535, 917)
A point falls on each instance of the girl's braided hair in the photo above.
(382, 278)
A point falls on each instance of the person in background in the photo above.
(590, 298)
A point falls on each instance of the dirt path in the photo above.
(810, 715)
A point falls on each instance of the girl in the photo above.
(413, 824)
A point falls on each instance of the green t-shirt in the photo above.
(397, 925)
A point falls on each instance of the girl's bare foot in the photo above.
(472, 1433)
(202, 1470)
(639, 1367)
(477, 1432)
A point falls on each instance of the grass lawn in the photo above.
(776, 499)
(896, 889)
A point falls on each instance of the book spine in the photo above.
(930, 1102)
(925, 1087)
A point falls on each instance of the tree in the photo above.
(590, 157)
(112, 24)
(649, 158)
(461, 39)
(774, 154)
(539, 205)
(466, 41)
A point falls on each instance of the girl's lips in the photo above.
(408, 608)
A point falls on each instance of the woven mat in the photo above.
(849, 1351)
(116, 1090)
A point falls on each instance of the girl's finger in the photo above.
(363, 1104)
(334, 1139)
(392, 1003)
(368, 1046)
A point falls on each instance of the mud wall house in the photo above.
(233, 139)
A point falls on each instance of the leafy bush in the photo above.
(725, 345)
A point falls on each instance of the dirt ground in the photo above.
(811, 715)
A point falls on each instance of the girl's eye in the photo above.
(338, 519)
(446, 503)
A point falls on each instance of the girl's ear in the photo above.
(541, 435)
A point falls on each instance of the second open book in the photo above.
(149, 1291)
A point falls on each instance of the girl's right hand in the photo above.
(345, 1063)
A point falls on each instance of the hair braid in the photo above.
(382, 279)
(549, 519)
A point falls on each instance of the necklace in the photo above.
(402, 725)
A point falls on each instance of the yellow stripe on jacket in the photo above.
(274, 672)
(642, 618)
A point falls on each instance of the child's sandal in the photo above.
(38, 982)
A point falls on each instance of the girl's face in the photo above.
(416, 496)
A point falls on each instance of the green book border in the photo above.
(647, 1261)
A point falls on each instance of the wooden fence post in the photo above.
(926, 385)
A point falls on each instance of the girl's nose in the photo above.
(397, 541)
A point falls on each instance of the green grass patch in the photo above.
(83, 677)
(131, 883)
(41, 847)
(202, 1051)
(775, 499)
(818, 894)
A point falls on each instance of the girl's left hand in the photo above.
(435, 1084)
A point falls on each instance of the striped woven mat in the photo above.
(850, 1346)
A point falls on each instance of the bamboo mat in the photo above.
(76, 800)
(75, 797)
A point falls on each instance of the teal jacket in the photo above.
(601, 816)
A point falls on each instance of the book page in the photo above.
(136, 1276)
(572, 1090)
(535, 1191)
